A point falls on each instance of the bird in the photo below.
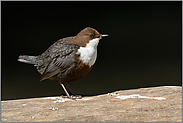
(68, 59)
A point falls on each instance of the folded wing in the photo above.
(62, 60)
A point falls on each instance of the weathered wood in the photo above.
(100, 108)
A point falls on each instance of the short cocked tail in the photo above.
(28, 59)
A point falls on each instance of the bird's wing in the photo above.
(64, 57)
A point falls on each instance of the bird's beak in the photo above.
(103, 35)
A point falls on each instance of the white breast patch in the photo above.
(88, 54)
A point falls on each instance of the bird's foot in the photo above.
(73, 97)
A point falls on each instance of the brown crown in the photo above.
(85, 35)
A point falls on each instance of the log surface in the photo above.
(155, 104)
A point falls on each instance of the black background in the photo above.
(143, 48)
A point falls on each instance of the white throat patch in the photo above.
(88, 54)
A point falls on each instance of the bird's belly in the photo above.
(73, 73)
(81, 71)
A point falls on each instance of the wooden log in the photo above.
(155, 104)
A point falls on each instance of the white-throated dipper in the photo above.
(68, 59)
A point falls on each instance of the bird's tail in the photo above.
(28, 59)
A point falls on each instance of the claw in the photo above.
(73, 97)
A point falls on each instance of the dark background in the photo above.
(143, 48)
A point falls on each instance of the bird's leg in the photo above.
(68, 88)
(74, 96)
(65, 90)
(68, 96)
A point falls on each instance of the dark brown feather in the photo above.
(60, 61)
